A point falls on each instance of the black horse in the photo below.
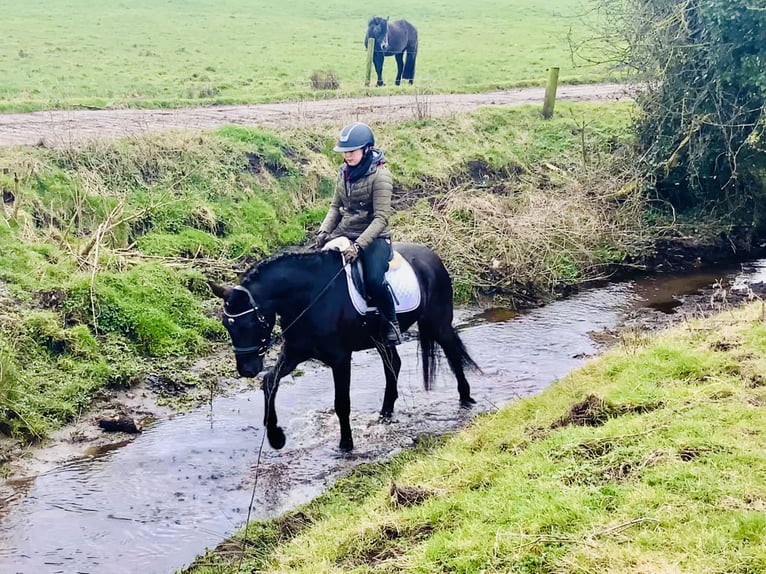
(396, 39)
(308, 292)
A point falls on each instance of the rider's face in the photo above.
(353, 158)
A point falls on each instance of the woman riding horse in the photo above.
(360, 210)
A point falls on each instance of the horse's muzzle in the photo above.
(249, 365)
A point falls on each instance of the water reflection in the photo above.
(497, 315)
(665, 293)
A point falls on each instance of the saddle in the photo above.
(400, 277)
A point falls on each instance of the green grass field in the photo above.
(66, 53)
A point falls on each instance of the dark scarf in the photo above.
(352, 174)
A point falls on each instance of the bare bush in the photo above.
(421, 105)
(528, 241)
(325, 80)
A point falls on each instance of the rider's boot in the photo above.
(392, 335)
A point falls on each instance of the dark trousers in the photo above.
(375, 258)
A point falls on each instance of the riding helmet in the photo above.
(354, 136)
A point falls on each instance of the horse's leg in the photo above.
(377, 59)
(392, 363)
(285, 365)
(409, 65)
(399, 67)
(455, 351)
(341, 374)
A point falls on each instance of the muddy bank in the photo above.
(155, 397)
(707, 300)
(687, 254)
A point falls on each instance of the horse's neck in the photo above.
(287, 283)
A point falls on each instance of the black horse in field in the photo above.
(396, 39)
(309, 294)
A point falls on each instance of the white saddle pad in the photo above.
(403, 282)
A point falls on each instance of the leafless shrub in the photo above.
(325, 80)
(530, 237)
(208, 92)
(421, 105)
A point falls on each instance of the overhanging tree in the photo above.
(700, 72)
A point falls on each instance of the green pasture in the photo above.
(68, 53)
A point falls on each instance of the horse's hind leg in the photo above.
(399, 67)
(392, 364)
(341, 374)
(454, 350)
(409, 65)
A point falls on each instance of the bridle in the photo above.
(265, 342)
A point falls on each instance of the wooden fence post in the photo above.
(370, 50)
(550, 93)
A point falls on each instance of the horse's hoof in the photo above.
(398, 83)
(467, 403)
(276, 438)
(346, 445)
(381, 84)
(386, 416)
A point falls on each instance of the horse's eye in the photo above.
(231, 321)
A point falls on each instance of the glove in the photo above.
(322, 238)
(351, 253)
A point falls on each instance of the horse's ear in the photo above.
(222, 291)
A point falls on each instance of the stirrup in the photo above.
(393, 334)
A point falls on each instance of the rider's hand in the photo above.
(350, 253)
(322, 238)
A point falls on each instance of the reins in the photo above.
(310, 305)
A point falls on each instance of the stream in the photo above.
(152, 504)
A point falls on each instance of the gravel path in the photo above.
(62, 128)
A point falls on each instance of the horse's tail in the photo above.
(428, 357)
(453, 347)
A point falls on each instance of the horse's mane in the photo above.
(375, 20)
(260, 266)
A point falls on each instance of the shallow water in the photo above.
(152, 504)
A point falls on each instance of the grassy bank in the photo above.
(106, 247)
(648, 459)
(170, 54)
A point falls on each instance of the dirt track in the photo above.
(61, 128)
